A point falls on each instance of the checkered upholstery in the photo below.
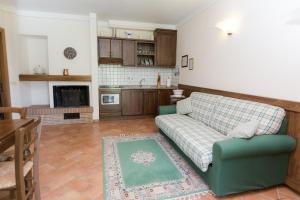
(212, 118)
(184, 106)
(229, 112)
(194, 138)
(168, 123)
(203, 105)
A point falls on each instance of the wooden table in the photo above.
(8, 129)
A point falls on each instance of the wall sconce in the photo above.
(229, 26)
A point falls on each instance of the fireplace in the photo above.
(71, 96)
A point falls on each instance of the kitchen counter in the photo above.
(143, 87)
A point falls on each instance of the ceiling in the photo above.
(154, 11)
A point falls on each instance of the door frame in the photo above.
(4, 69)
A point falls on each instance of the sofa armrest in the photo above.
(258, 145)
(165, 110)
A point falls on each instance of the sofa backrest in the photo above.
(229, 112)
(203, 105)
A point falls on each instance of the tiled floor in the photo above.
(71, 163)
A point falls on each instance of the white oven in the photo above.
(110, 99)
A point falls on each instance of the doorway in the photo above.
(4, 79)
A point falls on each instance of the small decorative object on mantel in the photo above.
(38, 70)
(70, 53)
(184, 61)
(191, 63)
(66, 72)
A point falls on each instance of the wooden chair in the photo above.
(21, 176)
(9, 153)
(10, 110)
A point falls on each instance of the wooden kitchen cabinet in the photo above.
(104, 48)
(110, 51)
(128, 52)
(113, 110)
(165, 41)
(164, 96)
(150, 102)
(116, 48)
(132, 102)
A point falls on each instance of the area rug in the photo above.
(147, 167)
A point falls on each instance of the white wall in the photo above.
(61, 33)
(33, 51)
(262, 58)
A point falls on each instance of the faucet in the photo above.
(141, 81)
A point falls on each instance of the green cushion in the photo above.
(165, 110)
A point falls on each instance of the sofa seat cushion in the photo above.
(194, 138)
(203, 105)
(230, 112)
(168, 123)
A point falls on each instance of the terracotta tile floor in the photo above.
(71, 162)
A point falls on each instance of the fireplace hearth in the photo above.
(71, 96)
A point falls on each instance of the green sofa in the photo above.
(240, 165)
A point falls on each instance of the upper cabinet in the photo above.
(129, 53)
(116, 48)
(165, 41)
(110, 51)
(144, 53)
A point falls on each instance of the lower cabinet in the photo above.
(164, 97)
(132, 102)
(144, 101)
(150, 102)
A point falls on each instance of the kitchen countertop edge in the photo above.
(128, 87)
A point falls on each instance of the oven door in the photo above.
(110, 99)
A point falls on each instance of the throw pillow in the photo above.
(184, 106)
(244, 130)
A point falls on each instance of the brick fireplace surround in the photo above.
(54, 116)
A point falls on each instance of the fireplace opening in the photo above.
(71, 96)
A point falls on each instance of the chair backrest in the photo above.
(22, 111)
(27, 142)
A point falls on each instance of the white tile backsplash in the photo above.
(121, 75)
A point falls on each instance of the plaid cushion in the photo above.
(194, 138)
(230, 112)
(168, 123)
(184, 106)
(203, 105)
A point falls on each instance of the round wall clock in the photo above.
(70, 53)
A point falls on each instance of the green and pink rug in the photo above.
(147, 167)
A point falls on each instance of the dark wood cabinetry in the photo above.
(165, 41)
(133, 52)
(150, 102)
(113, 110)
(135, 102)
(104, 48)
(145, 53)
(132, 102)
(116, 48)
(129, 53)
(110, 51)
(164, 97)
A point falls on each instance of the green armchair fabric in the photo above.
(258, 145)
